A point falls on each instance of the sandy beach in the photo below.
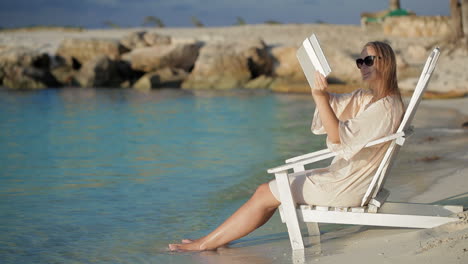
(415, 178)
(431, 168)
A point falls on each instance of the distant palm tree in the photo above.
(110, 24)
(464, 7)
(394, 4)
(240, 21)
(196, 22)
(152, 20)
(273, 22)
(457, 18)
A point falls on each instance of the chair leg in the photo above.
(289, 210)
(313, 229)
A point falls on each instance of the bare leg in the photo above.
(188, 240)
(251, 215)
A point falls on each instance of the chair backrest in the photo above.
(386, 163)
(419, 90)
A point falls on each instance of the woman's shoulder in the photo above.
(363, 92)
(393, 100)
(391, 104)
(363, 96)
(358, 93)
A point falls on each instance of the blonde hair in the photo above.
(387, 69)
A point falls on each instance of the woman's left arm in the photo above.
(321, 97)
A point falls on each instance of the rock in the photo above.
(19, 77)
(417, 52)
(450, 74)
(343, 65)
(99, 72)
(401, 62)
(287, 67)
(126, 84)
(65, 76)
(149, 59)
(63, 73)
(134, 40)
(408, 84)
(171, 78)
(2, 75)
(163, 78)
(219, 66)
(147, 82)
(185, 40)
(286, 64)
(153, 39)
(5, 47)
(68, 76)
(24, 57)
(229, 65)
(282, 85)
(23, 68)
(84, 50)
(141, 39)
(261, 82)
(449, 77)
(259, 60)
(126, 72)
(417, 26)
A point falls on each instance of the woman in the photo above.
(350, 122)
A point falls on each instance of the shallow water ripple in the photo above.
(112, 176)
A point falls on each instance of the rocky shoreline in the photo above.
(249, 56)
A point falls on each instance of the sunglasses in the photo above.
(369, 61)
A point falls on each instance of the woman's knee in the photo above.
(262, 189)
(264, 194)
(264, 186)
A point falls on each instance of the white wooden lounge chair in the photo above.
(374, 210)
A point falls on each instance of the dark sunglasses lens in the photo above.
(359, 63)
(369, 60)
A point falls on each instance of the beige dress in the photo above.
(346, 180)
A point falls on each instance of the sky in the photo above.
(178, 13)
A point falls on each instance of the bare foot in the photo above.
(194, 246)
(187, 241)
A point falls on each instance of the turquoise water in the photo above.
(113, 176)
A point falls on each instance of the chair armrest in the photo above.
(326, 154)
(308, 155)
(301, 163)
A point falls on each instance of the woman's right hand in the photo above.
(320, 85)
(322, 103)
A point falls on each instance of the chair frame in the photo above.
(374, 209)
